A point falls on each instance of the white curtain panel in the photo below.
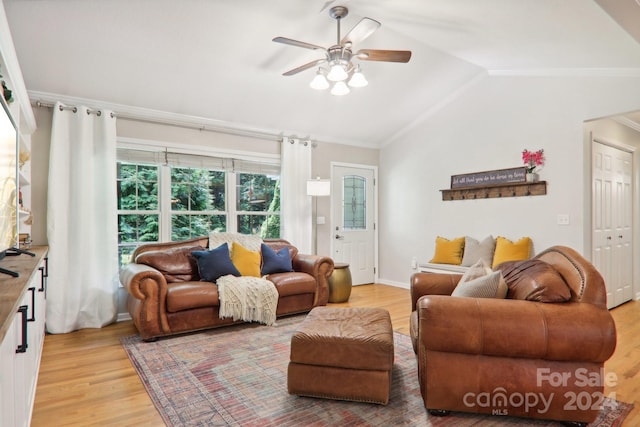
(81, 221)
(296, 205)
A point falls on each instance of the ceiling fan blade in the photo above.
(297, 43)
(384, 55)
(304, 67)
(326, 5)
(361, 31)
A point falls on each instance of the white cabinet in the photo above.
(21, 346)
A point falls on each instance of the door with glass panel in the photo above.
(353, 226)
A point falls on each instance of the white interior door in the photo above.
(612, 220)
(353, 220)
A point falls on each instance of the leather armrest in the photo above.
(321, 268)
(516, 328)
(147, 303)
(432, 284)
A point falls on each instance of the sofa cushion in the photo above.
(534, 280)
(475, 250)
(188, 295)
(294, 283)
(506, 250)
(448, 251)
(275, 261)
(215, 263)
(175, 264)
(247, 262)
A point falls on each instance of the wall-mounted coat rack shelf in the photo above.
(518, 189)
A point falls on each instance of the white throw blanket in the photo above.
(252, 299)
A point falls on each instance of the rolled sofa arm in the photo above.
(570, 331)
(147, 289)
(432, 284)
(321, 268)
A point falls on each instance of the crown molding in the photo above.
(156, 116)
(182, 120)
(566, 72)
(627, 122)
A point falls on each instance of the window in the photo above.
(258, 204)
(138, 207)
(354, 202)
(169, 197)
(197, 202)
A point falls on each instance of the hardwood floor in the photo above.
(86, 378)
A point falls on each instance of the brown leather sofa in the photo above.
(166, 296)
(514, 357)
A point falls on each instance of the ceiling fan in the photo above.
(339, 57)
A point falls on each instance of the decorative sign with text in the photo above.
(495, 177)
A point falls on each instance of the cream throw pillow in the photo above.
(475, 250)
(490, 286)
(481, 282)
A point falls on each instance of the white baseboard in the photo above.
(394, 283)
(122, 317)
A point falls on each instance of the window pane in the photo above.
(190, 226)
(258, 193)
(266, 226)
(354, 202)
(124, 254)
(137, 187)
(148, 196)
(197, 190)
(137, 228)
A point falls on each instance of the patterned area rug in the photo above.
(237, 376)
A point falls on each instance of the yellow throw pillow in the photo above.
(448, 251)
(247, 262)
(506, 250)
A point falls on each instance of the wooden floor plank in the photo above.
(86, 378)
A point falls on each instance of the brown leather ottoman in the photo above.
(343, 354)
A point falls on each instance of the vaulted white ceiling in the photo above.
(214, 59)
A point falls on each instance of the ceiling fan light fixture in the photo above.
(337, 73)
(340, 89)
(358, 79)
(319, 82)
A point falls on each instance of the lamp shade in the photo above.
(340, 89)
(319, 82)
(318, 187)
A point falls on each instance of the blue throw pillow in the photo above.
(215, 263)
(275, 262)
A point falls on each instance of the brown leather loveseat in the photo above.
(515, 357)
(166, 295)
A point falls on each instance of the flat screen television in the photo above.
(8, 185)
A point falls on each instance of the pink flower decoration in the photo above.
(533, 160)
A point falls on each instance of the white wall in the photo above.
(486, 128)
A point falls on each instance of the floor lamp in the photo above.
(317, 188)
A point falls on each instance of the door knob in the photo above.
(339, 237)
